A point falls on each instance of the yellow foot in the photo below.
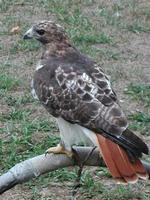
(59, 150)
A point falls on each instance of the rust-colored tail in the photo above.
(117, 161)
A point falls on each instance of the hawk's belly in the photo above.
(74, 134)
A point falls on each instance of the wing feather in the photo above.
(81, 93)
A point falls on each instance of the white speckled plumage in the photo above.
(33, 91)
(39, 66)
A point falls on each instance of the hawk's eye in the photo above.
(40, 32)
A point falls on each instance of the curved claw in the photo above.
(59, 149)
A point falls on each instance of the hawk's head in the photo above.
(46, 32)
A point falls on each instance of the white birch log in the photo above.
(34, 167)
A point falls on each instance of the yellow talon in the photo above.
(59, 149)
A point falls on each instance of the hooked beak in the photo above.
(28, 34)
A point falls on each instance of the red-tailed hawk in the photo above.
(77, 92)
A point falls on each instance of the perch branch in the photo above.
(34, 167)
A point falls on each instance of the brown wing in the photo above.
(105, 93)
(70, 92)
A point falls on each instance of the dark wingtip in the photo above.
(136, 141)
(131, 142)
(147, 151)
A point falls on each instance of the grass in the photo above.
(20, 137)
(14, 101)
(137, 27)
(122, 193)
(7, 82)
(90, 187)
(20, 45)
(140, 122)
(116, 16)
(140, 93)
(27, 131)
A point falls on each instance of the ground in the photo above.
(116, 35)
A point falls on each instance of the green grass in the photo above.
(140, 122)
(20, 143)
(24, 46)
(116, 16)
(108, 17)
(15, 114)
(20, 127)
(5, 65)
(4, 5)
(122, 193)
(139, 92)
(90, 187)
(16, 101)
(137, 27)
(142, 12)
(8, 82)
(92, 39)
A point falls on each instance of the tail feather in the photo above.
(122, 162)
(106, 154)
(117, 161)
(138, 166)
